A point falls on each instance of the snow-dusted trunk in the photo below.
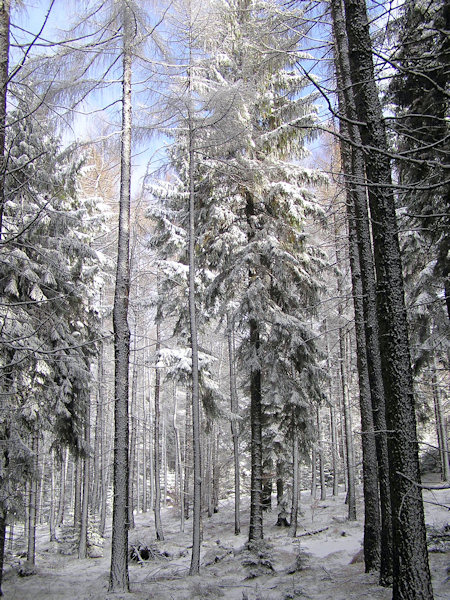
(187, 455)
(144, 446)
(313, 472)
(295, 485)
(51, 518)
(256, 495)
(234, 426)
(77, 491)
(62, 488)
(5, 6)
(119, 579)
(178, 462)
(411, 574)
(133, 433)
(32, 501)
(362, 265)
(82, 548)
(197, 499)
(157, 440)
(323, 488)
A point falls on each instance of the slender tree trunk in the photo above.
(313, 473)
(256, 495)
(196, 528)
(5, 6)
(51, 520)
(133, 433)
(32, 502)
(83, 545)
(187, 455)
(119, 578)
(157, 441)
(77, 492)
(323, 488)
(144, 449)
(215, 470)
(411, 574)
(295, 486)
(62, 488)
(234, 426)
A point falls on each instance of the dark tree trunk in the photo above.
(360, 238)
(119, 578)
(32, 501)
(196, 438)
(411, 574)
(256, 496)
(234, 426)
(83, 546)
(157, 441)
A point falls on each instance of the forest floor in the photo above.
(315, 565)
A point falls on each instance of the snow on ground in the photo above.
(325, 572)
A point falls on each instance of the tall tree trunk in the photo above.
(77, 492)
(133, 432)
(52, 516)
(62, 488)
(363, 265)
(323, 488)
(5, 6)
(196, 527)
(313, 472)
(215, 470)
(187, 455)
(295, 485)
(119, 578)
(144, 443)
(234, 425)
(83, 545)
(32, 501)
(157, 441)
(256, 505)
(411, 574)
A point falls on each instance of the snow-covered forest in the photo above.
(224, 299)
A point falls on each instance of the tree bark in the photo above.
(411, 574)
(5, 6)
(84, 522)
(323, 488)
(363, 266)
(32, 501)
(119, 578)
(256, 495)
(197, 500)
(234, 426)
(295, 486)
(157, 441)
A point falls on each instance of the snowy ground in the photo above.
(326, 571)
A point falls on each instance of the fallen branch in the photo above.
(313, 532)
